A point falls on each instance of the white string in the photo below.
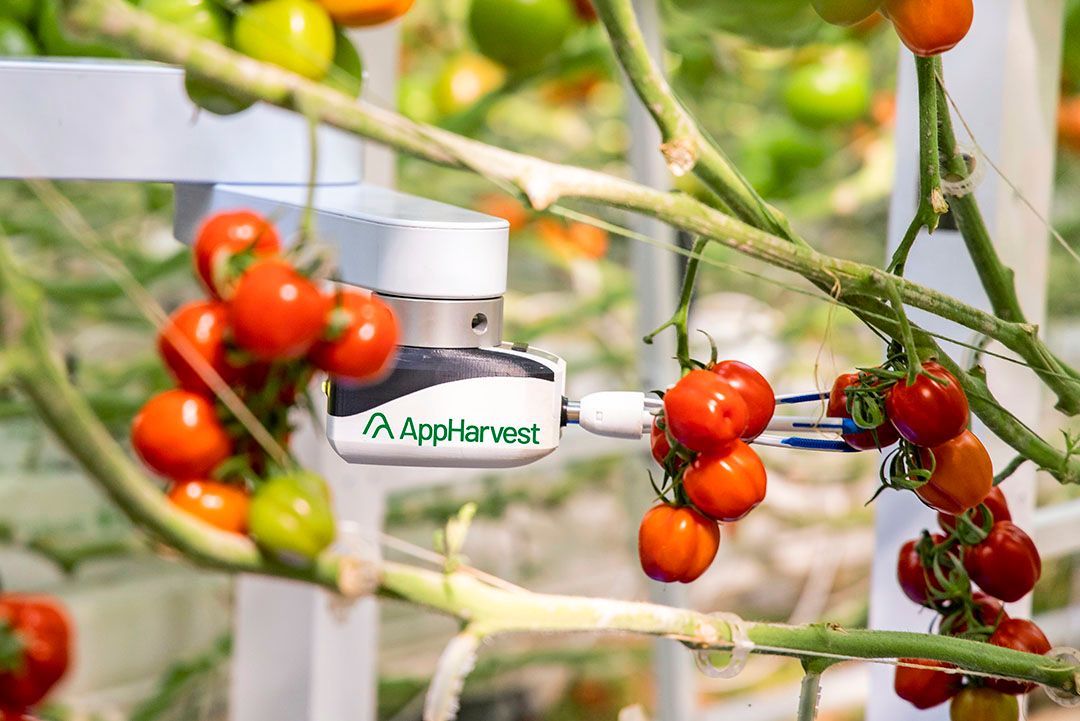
(1058, 696)
(741, 646)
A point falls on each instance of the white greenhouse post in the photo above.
(656, 279)
(297, 657)
(1004, 78)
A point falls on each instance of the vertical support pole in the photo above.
(1004, 78)
(297, 656)
(656, 274)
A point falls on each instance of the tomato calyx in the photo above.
(904, 469)
(12, 647)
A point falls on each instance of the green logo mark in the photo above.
(383, 425)
(459, 431)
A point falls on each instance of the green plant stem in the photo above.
(809, 696)
(859, 286)
(487, 608)
(680, 319)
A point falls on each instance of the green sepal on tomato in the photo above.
(291, 516)
(37, 638)
(917, 577)
(841, 406)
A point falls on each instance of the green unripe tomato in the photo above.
(463, 80)
(15, 40)
(22, 11)
(1070, 61)
(767, 22)
(347, 73)
(298, 35)
(219, 101)
(520, 33)
(983, 704)
(56, 42)
(845, 12)
(291, 516)
(831, 90)
(203, 18)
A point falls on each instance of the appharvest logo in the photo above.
(459, 431)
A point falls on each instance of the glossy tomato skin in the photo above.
(1006, 564)
(297, 35)
(916, 582)
(221, 505)
(755, 391)
(995, 503)
(881, 437)
(978, 703)
(676, 543)
(1018, 634)
(833, 89)
(963, 475)
(178, 434)
(727, 484)
(362, 13)
(520, 33)
(930, 27)
(928, 413)
(365, 350)
(704, 412)
(292, 518)
(928, 686)
(845, 12)
(276, 313)
(202, 324)
(45, 631)
(227, 233)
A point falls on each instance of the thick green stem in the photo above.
(809, 696)
(858, 286)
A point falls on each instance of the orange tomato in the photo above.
(963, 475)
(223, 506)
(1069, 123)
(577, 240)
(930, 27)
(361, 13)
(506, 207)
(676, 543)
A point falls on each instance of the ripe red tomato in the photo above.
(202, 324)
(930, 27)
(362, 13)
(226, 233)
(704, 412)
(276, 313)
(43, 630)
(963, 475)
(755, 391)
(1018, 634)
(995, 502)
(927, 412)
(926, 687)
(364, 348)
(726, 484)
(1006, 564)
(660, 446)
(219, 504)
(881, 437)
(676, 543)
(178, 434)
(915, 581)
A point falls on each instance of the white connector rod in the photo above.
(615, 414)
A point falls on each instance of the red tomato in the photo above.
(928, 413)
(276, 313)
(930, 27)
(364, 350)
(754, 389)
(178, 434)
(676, 543)
(202, 324)
(915, 581)
(229, 232)
(963, 475)
(43, 630)
(726, 484)
(1018, 634)
(219, 504)
(977, 703)
(1006, 564)
(926, 687)
(995, 502)
(704, 412)
(660, 446)
(881, 437)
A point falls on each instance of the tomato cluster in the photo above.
(984, 546)
(35, 650)
(262, 331)
(700, 441)
(926, 27)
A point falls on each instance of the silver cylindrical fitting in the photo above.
(429, 323)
